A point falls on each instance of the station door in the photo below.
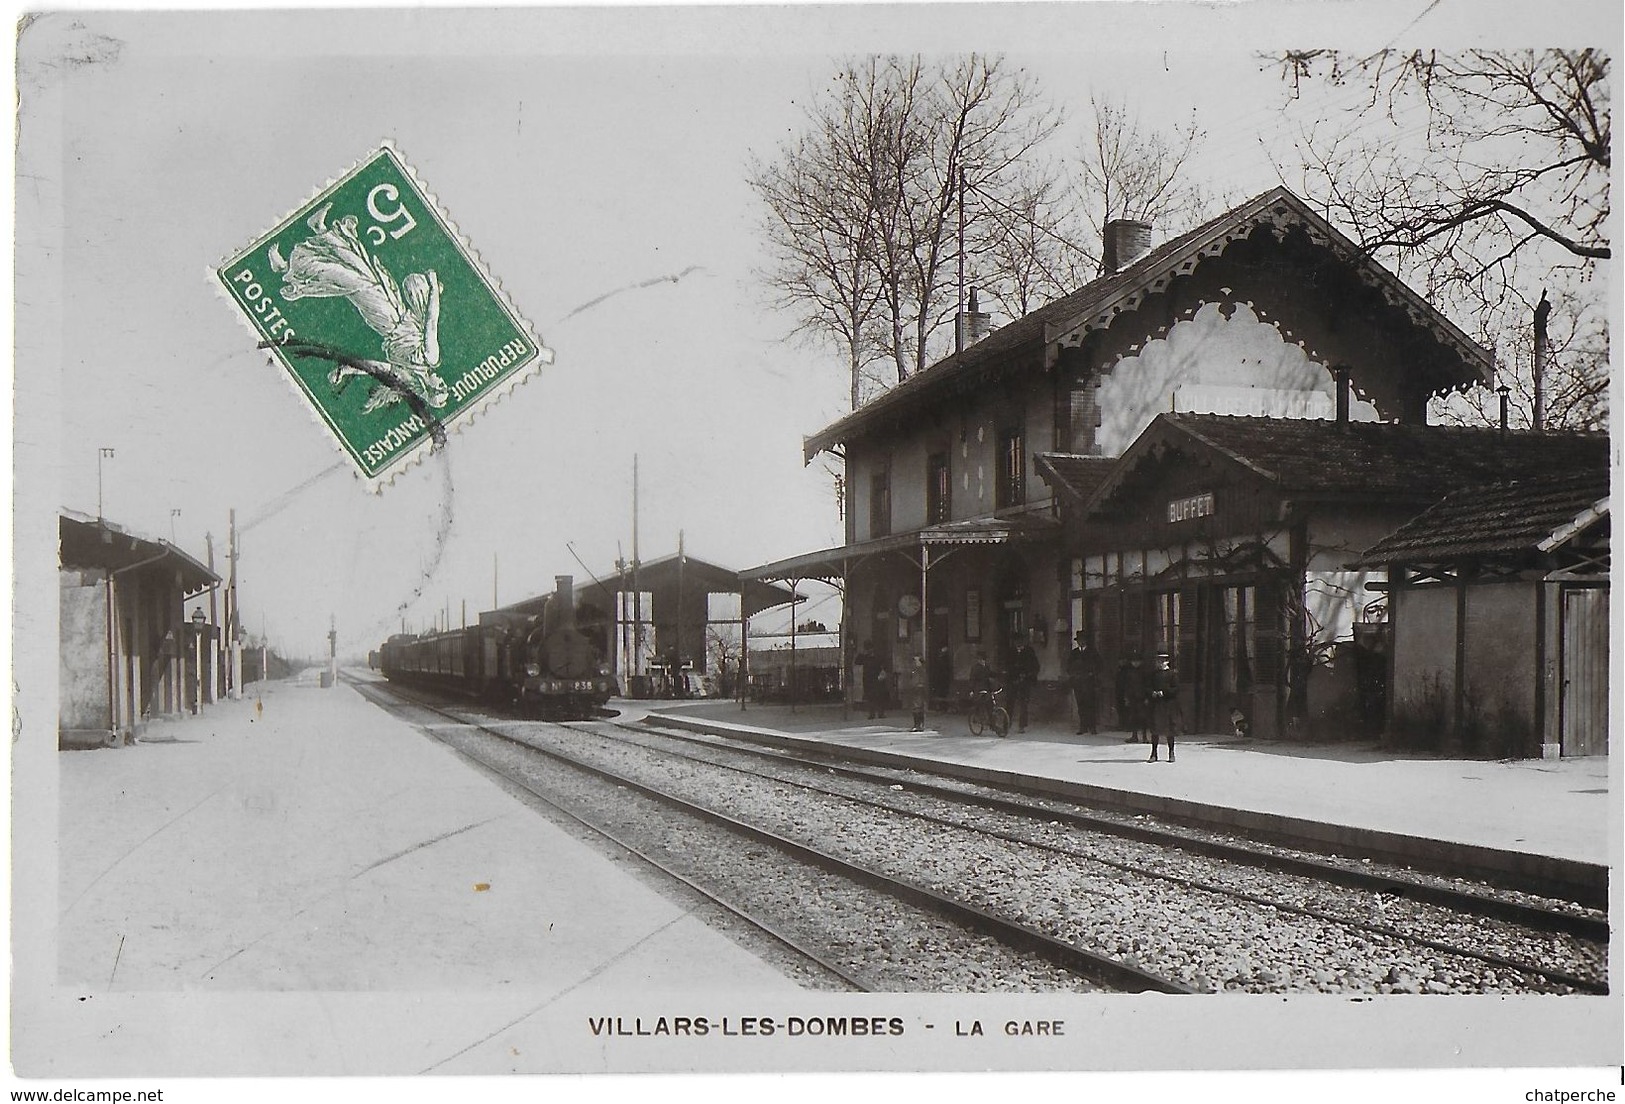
(1585, 671)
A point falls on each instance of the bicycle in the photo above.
(987, 713)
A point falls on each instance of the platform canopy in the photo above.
(662, 573)
(832, 564)
(96, 542)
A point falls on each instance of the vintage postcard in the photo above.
(1066, 538)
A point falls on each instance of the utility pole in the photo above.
(682, 560)
(234, 629)
(214, 619)
(623, 624)
(332, 650)
(637, 589)
(1542, 310)
(959, 314)
(101, 454)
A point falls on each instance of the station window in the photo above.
(938, 489)
(1168, 616)
(880, 501)
(1239, 642)
(1012, 484)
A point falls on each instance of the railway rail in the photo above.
(929, 937)
(1429, 906)
(1146, 906)
(1541, 913)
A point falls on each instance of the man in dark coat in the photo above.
(874, 682)
(1083, 676)
(1164, 696)
(1023, 673)
(1131, 697)
(942, 674)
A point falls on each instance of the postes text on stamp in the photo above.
(383, 317)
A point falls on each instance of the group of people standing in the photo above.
(1147, 701)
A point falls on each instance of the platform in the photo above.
(304, 848)
(1543, 819)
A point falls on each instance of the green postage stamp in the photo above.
(383, 317)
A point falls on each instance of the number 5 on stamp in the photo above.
(382, 316)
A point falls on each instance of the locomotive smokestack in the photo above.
(564, 595)
(560, 610)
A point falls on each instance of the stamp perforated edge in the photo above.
(407, 458)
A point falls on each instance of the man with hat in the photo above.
(1165, 713)
(1083, 676)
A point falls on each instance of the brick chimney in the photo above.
(972, 325)
(1124, 242)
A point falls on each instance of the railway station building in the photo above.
(1332, 579)
(955, 541)
(129, 650)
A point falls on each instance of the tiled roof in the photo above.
(1080, 475)
(96, 542)
(1420, 461)
(1103, 296)
(1513, 516)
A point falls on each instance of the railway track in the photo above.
(927, 940)
(1542, 914)
(1527, 925)
(1150, 908)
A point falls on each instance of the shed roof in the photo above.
(1310, 457)
(662, 572)
(1539, 512)
(1074, 474)
(832, 563)
(96, 542)
(1099, 301)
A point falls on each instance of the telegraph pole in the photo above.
(1542, 310)
(214, 619)
(959, 317)
(234, 632)
(101, 454)
(681, 561)
(637, 590)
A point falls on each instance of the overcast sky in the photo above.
(586, 155)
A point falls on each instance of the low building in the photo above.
(1230, 543)
(129, 652)
(1498, 598)
(675, 614)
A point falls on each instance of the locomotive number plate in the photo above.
(381, 315)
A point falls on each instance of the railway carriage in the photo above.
(542, 663)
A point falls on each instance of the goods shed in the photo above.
(128, 650)
(1498, 598)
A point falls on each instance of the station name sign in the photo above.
(1186, 509)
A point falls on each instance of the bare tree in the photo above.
(864, 207)
(820, 223)
(1485, 176)
(1129, 173)
(1029, 251)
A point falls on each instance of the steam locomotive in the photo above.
(540, 663)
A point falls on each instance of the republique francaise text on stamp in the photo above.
(381, 314)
